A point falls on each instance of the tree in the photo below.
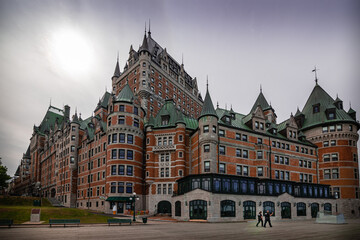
(4, 177)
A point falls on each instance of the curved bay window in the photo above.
(178, 208)
(249, 210)
(269, 206)
(301, 209)
(327, 208)
(227, 208)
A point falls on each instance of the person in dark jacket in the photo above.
(267, 216)
(260, 219)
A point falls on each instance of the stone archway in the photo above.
(164, 207)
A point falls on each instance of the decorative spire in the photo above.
(260, 88)
(316, 79)
(182, 59)
(117, 68)
(149, 32)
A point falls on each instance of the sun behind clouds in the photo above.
(70, 52)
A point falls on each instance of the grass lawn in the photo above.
(20, 210)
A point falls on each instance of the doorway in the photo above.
(198, 209)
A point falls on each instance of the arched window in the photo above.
(327, 208)
(227, 208)
(249, 210)
(301, 209)
(269, 206)
(314, 210)
(285, 210)
(178, 208)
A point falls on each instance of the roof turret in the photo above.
(208, 107)
(125, 95)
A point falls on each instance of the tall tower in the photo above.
(208, 136)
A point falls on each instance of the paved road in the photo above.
(190, 230)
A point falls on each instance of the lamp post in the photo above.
(133, 199)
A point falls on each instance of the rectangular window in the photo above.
(326, 173)
(301, 177)
(121, 120)
(121, 108)
(207, 166)
(245, 154)
(136, 111)
(281, 160)
(129, 188)
(170, 188)
(114, 138)
(121, 137)
(162, 172)
(238, 170)
(287, 161)
(332, 128)
(339, 127)
(333, 142)
(206, 129)
(282, 175)
(256, 124)
(207, 148)
(237, 136)
(325, 129)
(259, 141)
(159, 189)
(335, 173)
(113, 154)
(129, 155)
(112, 188)
(356, 173)
(113, 170)
(121, 170)
(259, 155)
(121, 153)
(238, 152)
(120, 187)
(221, 133)
(276, 174)
(326, 157)
(334, 157)
(310, 178)
(222, 150)
(214, 129)
(129, 170)
(287, 176)
(245, 170)
(260, 171)
(326, 144)
(130, 139)
(222, 168)
(244, 138)
(276, 159)
(300, 163)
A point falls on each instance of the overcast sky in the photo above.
(66, 51)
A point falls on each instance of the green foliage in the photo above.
(3, 176)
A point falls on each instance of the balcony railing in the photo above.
(164, 148)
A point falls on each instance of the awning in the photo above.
(118, 199)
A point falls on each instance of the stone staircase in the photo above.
(54, 202)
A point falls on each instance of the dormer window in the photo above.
(165, 120)
(257, 125)
(262, 126)
(316, 108)
(227, 119)
(232, 115)
(274, 131)
(331, 116)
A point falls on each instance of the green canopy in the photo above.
(118, 199)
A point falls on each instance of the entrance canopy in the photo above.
(119, 199)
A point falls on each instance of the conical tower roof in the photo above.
(208, 107)
(144, 46)
(126, 94)
(117, 69)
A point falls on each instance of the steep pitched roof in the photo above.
(125, 95)
(117, 69)
(260, 101)
(325, 101)
(144, 46)
(52, 116)
(208, 107)
(174, 116)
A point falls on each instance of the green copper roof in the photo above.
(351, 111)
(319, 96)
(52, 116)
(126, 94)
(169, 116)
(260, 101)
(208, 107)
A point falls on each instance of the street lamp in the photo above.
(133, 199)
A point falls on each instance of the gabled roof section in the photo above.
(169, 116)
(208, 107)
(125, 95)
(321, 98)
(53, 115)
(260, 101)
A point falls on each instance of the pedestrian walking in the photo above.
(267, 216)
(260, 219)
